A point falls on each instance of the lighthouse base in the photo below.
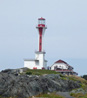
(38, 63)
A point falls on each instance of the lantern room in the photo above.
(41, 22)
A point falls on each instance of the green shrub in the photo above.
(29, 73)
(85, 77)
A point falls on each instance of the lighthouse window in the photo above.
(40, 37)
(40, 43)
(41, 21)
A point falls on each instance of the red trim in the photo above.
(40, 39)
(43, 68)
(41, 18)
(34, 67)
(61, 61)
(41, 25)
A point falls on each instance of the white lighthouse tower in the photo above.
(40, 54)
(39, 62)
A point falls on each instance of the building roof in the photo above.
(61, 61)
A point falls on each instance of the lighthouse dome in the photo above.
(41, 18)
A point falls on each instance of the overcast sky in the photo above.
(65, 38)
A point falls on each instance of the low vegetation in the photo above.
(75, 78)
(82, 80)
(40, 72)
(51, 95)
(79, 95)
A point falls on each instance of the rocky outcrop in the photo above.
(64, 94)
(79, 90)
(14, 83)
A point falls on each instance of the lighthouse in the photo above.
(39, 62)
(41, 30)
(40, 54)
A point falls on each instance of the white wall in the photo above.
(29, 64)
(39, 61)
(41, 57)
(45, 64)
(59, 65)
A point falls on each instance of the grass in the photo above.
(51, 95)
(63, 77)
(75, 78)
(40, 72)
(43, 72)
(79, 95)
(82, 80)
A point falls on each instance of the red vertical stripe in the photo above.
(40, 39)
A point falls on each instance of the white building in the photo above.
(39, 62)
(63, 67)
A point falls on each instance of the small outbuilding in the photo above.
(63, 67)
